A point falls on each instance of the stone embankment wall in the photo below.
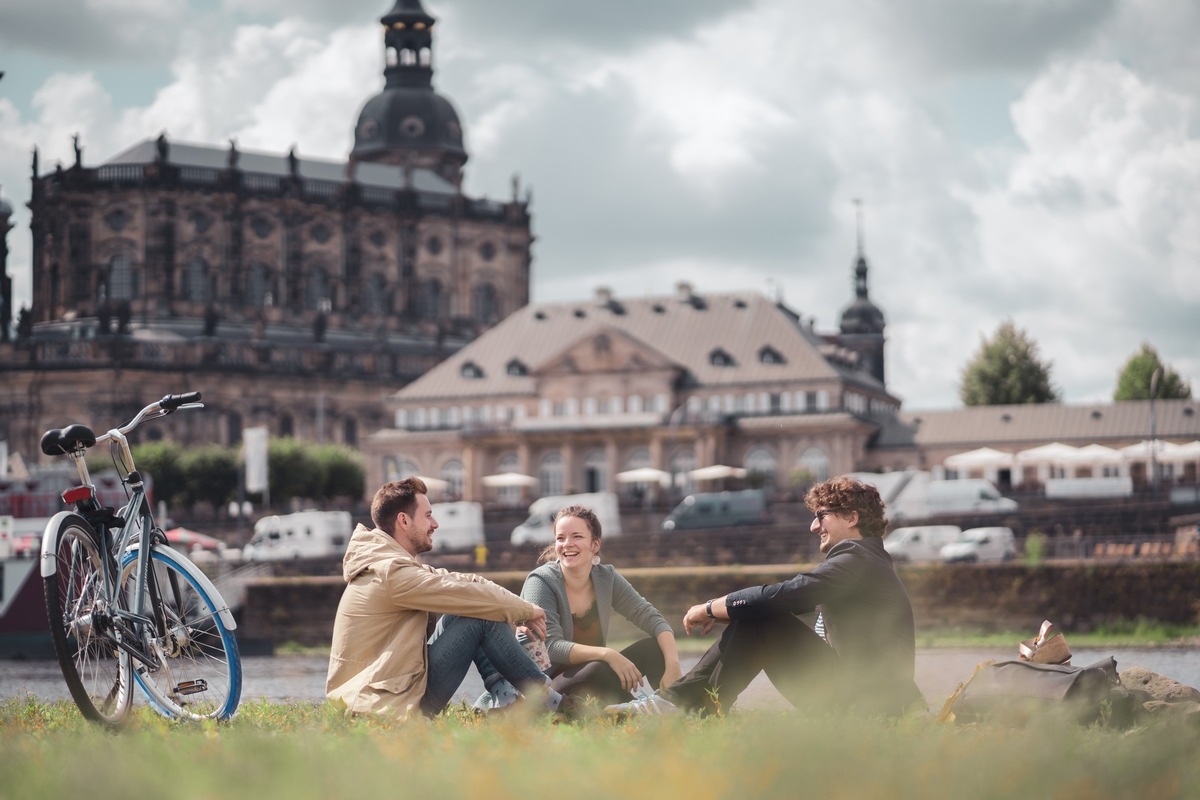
(1008, 597)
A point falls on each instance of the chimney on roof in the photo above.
(683, 290)
(603, 295)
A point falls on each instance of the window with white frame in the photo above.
(452, 474)
(550, 474)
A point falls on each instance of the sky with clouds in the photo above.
(1032, 160)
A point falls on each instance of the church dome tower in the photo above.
(862, 321)
(408, 123)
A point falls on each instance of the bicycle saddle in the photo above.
(61, 441)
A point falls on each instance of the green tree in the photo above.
(1133, 383)
(1006, 370)
(210, 474)
(161, 460)
(294, 471)
(345, 475)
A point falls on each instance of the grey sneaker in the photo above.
(501, 695)
(643, 704)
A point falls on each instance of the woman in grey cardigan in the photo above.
(579, 595)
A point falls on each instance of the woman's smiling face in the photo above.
(574, 544)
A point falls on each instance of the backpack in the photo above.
(1020, 691)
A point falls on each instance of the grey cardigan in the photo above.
(546, 587)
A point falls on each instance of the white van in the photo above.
(920, 543)
(982, 544)
(305, 534)
(922, 497)
(460, 525)
(539, 528)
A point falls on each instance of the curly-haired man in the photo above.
(861, 653)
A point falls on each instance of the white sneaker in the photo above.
(644, 704)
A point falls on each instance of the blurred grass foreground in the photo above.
(309, 750)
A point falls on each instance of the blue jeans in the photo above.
(457, 642)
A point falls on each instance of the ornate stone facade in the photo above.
(293, 292)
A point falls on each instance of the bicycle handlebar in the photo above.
(79, 437)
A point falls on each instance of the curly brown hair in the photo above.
(394, 497)
(845, 494)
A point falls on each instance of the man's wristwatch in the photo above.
(708, 610)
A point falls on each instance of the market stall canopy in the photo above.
(1053, 453)
(982, 457)
(1094, 454)
(716, 472)
(1186, 452)
(1162, 450)
(505, 480)
(644, 475)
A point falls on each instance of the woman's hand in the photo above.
(671, 673)
(625, 669)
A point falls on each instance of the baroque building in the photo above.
(585, 396)
(294, 292)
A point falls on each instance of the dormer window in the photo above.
(516, 367)
(719, 358)
(769, 355)
(472, 370)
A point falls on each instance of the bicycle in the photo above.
(124, 607)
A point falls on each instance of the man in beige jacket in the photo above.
(384, 660)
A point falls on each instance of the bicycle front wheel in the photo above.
(197, 672)
(81, 619)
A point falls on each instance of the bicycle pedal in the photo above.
(191, 687)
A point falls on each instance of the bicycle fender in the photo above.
(49, 565)
(191, 569)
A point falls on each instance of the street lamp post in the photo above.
(1154, 379)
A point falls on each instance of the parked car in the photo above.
(982, 544)
(718, 510)
(920, 542)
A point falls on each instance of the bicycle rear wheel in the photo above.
(198, 672)
(80, 616)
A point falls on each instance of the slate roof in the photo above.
(365, 172)
(684, 332)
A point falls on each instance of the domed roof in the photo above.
(862, 316)
(407, 118)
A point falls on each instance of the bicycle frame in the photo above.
(136, 527)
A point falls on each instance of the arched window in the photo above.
(761, 461)
(683, 461)
(350, 432)
(286, 425)
(256, 286)
(318, 290)
(397, 468)
(376, 301)
(452, 474)
(595, 472)
(234, 424)
(484, 305)
(195, 281)
(429, 300)
(815, 463)
(508, 495)
(122, 280)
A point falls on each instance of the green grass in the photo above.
(310, 751)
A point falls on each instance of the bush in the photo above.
(210, 474)
(344, 472)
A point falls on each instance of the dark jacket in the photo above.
(867, 614)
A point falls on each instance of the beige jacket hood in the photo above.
(379, 660)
